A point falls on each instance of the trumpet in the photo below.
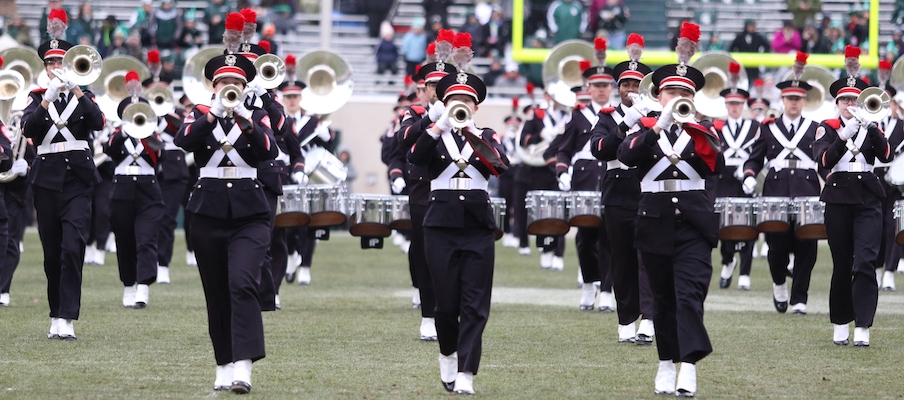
(231, 97)
(271, 71)
(874, 105)
(139, 120)
(459, 114)
(683, 110)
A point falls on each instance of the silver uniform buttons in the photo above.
(229, 184)
(134, 179)
(462, 198)
(675, 200)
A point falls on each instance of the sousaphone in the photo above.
(194, 83)
(110, 87)
(25, 61)
(897, 74)
(714, 66)
(329, 81)
(562, 70)
(821, 79)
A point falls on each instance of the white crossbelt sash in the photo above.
(241, 168)
(853, 160)
(615, 164)
(60, 122)
(790, 147)
(890, 125)
(584, 153)
(168, 140)
(141, 168)
(649, 184)
(443, 181)
(736, 154)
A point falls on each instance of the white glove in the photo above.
(323, 132)
(548, 134)
(444, 123)
(640, 103)
(20, 167)
(666, 119)
(749, 185)
(53, 90)
(59, 73)
(398, 184)
(473, 128)
(739, 173)
(255, 89)
(436, 110)
(243, 112)
(300, 178)
(565, 182)
(633, 116)
(189, 159)
(217, 108)
(849, 130)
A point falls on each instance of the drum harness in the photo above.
(134, 165)
(888, 128)
(649, 184)
(59, 127)
(783, 160)
(241, 168)
(736, 153)
(618, 116)
(451, 178)
(853, 160)
(584, 153)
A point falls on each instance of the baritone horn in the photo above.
(874, 104)
(459, 114)
(161, 99)
(82, 65)
(271, 71)
(329, 79)
(140, 121)
(684, 110)
(19, 143)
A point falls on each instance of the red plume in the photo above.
(690, 31)
(1, 62)
(445, 35)
(153, 56)
(462, 39)
(634, 46)
(56, 23)
(584, 65)
(885, 64)
(884, 71)
(461, 52)
(58, 13)
(265, 44)
(234, 21)
(431, 53)
(133, 84)
(529, 88)
(249, 15)
(408, 80)
(852, 60)
(687, 42)
(250, 25)
(444, 40)
(232, 36)
(599, 51)
(514, 103)
(290, 59)
(599, 44)
(851, 51)
(635, 39)
(734, 70)
(758, 82)
(801, 57)
(131, 76)
(800, 61)
(734, 67)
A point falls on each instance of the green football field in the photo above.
(352, 334)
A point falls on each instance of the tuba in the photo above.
(25, 61)
(110, 87)
(82, 65)
(139, 120)
(161, 99)
(194, 84)
(19, 142)
(821, 80)
(271, 71)
(329, 79)
(714, 66)
(11, 84)
(562, 70)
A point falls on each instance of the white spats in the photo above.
(416, 298)
(128, 296)
(799, 308)
(626, 333)
(888, 281)
(163, 274)
(464, 383)
(141, 295)
(861, 337)
(509, 240)
(841, 334)
(728, 269)
(646, 328)
(4, 299)
(524, 251)
(448, 367)
(54, 331)
(687, 380)
(605, 302)
(780, 292)
(879, 277)
(558, 263)
(665, 378)
(224, 377)
(66, 328)
(304, 275)
(241, 371)
(744, 282)
(190, 258)
(99, 257)
(428, 329)
(588, 296)
(546, 260)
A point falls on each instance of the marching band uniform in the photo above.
(459, 228)
(99, 236)
(231, 223)
(136, 204)
(14, 197)
(62, 177)
(620, 196)
(786, 143)
(890, 252)
(676, 226)
(507, 180)
(846, 150)
(738, 136)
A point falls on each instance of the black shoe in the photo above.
(290, 277)
(861, 344)
(587, 308)
(140, 305)
(221, 388)
(449, 386)
(780, 306)
(683, 393)
(240, 387)
(69, 338)
(607, 309)
(643, 340)
(841, 342)
(724, 283)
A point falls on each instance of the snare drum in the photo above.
(584, 209)
(327, 205)
(323, 167)
(810, 213)
(370, 215)
(773, 214)
(899, 218)
(737, 220)
(498, 204)
(293, 208)
(401, 213)
(546, 213)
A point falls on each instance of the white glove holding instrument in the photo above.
(666, 119)
(255, 89)
(59, 74)
(739, 173)
(565, 182)
(323, 132)
(473, 128)
(300, 178)
(20, 167)
(749, 185)
(436, 110)
(243, 112)
(640, 103)
(53, 90)
(444, 124)
(217, 108)
(548, 134)
(849, 130)
(632, 116)
(398, 184)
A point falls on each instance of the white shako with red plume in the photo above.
(56, 47)
(461, 82)
(250, 25)
(431, 53)
(290, 67)
(133, 86)
(633, 68)
(601, 73)
(884, 75)
(852, 85)
(154, 63)
(795, 86)
(232, 36)
(733, 93)
(681, 75)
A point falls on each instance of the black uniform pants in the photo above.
(629, 277)
(136, 225)
(306, 244)
(15, 209)
(781, 245)
(854, 242)
(417, 261)
(506, 191)
(267, 286)
(728, 248)
(172, 190)
(461, 261)
(230, 253)
(193, 172)
(100, 225)
(594, 256)
(680, 284)
(890, 251)
(519, 212)
(64, 221)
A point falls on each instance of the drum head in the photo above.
(586, 221)
(900, 238)
(288, 219)
(739, 233)
(497, 234)
(401, 225)
(327, 218)
(815, 231)
(548, 227)
(370, 229)
(773, 226)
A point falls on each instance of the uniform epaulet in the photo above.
(539, 113)
(768, 121)
(607, 110)
(648, 122)
(719, 124)
(39, 90)
(419, 110)
(579, 106)
(834, 123)
(202, 108)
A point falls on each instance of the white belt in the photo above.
(170, 146)
(792, 164)
(582, 155)
(852, 167)
(734, 162)
(228, 172)
(615, 164)
(442, 184)
(60, 147)
(134, 170)
(672, 185)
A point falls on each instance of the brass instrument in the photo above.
(110, 87)
(271, 71)
(645, 91)
(25, 61)
(139, 120)
(562, 70)
(329, 79)
(82, 65)
(459, 114)
(19, 142)
(11, 84)
(773, 113)
(820, 78)
(684, 110)
(230, 96)
(714, 66)
(161, 99)
(897, 73)
(194, 83)
(873, 104)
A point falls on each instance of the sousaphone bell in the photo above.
(329, 79)
(271, 71)
(110, 87)
(139, 120)
(820, 78)
(82, 65)
(161, 99)
(562, 70)
(25, 61)
(195, 85)
(714, 66)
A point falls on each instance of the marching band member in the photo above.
(676, 228)
(172, 175)
(14, 197)
(60, 120)
(99, 236)
(136, 201)
(459, 224)
(890, 253)
(577, 169)
(786, 144)
(621, 195)
(846, 149)
(737, 135)
(416, 121)
(231, 223)
(507, 180)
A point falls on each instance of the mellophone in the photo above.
(368, 215)
(553, 213)
(742, 218)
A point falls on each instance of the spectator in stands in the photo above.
(534, 16)
(167, 25)
(377, 11)
(496, 71)
(168, 70)
(813, 42)
(133, 45)
(786, 39)
(610, 16)
(387, 53)
(715, 43)
(837, 39)
(512, 80)
(567, 20)
(436, 24)
(897, 16)
(141, 22)
(750, 41)
(533, 72)
(857, 29)
(42, 23)
(414, 46)
(895, 46)
(117, 45)
(824, 25)
(438, 8)
(190, 36)
(20, 31)
(496, 33)
(215, 19)
(473, 27)
(107, 28)
(82, 25)
(803, 11)
(282, 18)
